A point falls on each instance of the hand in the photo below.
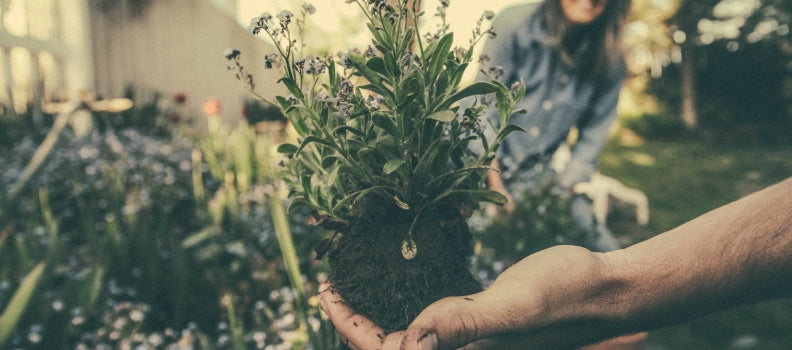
(514, 312)
(360, 333)
(356, 331)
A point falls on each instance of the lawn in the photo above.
(684, 179)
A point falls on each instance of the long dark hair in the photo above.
(595, 48)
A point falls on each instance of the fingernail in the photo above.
(428, 342)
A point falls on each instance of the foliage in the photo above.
(741, 93)
(145, 246)
(657, 126)
(384, 122)
(255, 112)
(736, 54)
(541, 219)
(14, 127)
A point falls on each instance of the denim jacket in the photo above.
(556, 98)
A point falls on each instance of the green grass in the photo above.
(684, 179)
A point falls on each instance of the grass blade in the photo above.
(16, 307)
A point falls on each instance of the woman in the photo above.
(568, 54)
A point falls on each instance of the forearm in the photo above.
(738, 253)
(494, 178)
(565, 297)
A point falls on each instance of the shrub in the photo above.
(657, 126)
(144, 245)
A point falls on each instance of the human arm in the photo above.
(593, 132)
(565, 296)
(495, 183)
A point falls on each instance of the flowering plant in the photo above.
(388, 121)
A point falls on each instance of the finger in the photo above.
(446, 324)
(358, 330)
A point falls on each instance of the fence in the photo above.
(44, 52)
(54, 49)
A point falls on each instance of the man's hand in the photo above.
(513, 312)
(357, 331)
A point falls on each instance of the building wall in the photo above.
(176, 46)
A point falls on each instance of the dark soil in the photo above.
(370, 273)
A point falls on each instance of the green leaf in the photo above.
(297, 121)
(292, 87)
(379, 89)
(375, 32)
(389, 67)
(458, 73)
(346, 128)
(284, 103)
(435, 153)
(407, 39)
(392, 165)
(439, 56)
(506, 131)
(313, 139)
(331, 72)
(441, 85)
(296, 202)
(368, 191)
(479, 196)
(305, 183)
(444, 116)
(346, 168)
(344, 202)
(456, 176)
(502, 102)
(360, 64)
(387, 147)
(477, 88)
(19, 301)
(287, 148)
(386, 123)
(328, 161)
(367, 159)
(377, 64)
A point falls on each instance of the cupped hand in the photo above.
(360, 333)
(356, 331)
(525, 308)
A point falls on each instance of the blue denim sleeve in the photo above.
(500, 51)
(593, 132)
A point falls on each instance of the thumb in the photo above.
(449, 323)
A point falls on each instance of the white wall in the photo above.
(176, 46)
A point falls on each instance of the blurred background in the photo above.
(141, 207)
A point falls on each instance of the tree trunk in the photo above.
(689, 111)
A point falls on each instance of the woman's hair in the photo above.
(594, 48)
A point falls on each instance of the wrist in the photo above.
(594, 308)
